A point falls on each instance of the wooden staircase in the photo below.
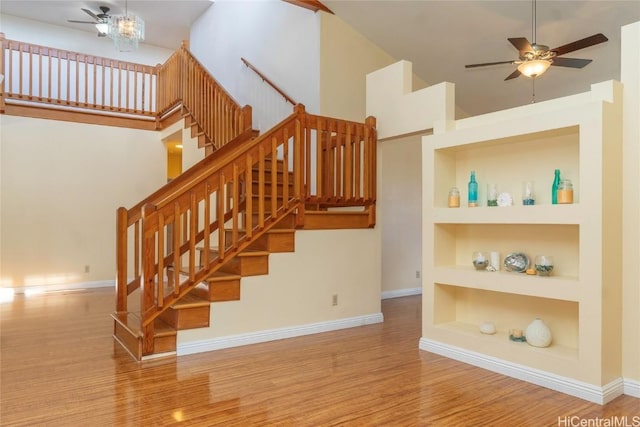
(219, 220)
(232, 210)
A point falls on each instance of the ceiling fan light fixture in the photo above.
(103, 28)
(534, 68)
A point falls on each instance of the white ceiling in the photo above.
(438, 37)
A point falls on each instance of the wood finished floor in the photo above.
(59, 367)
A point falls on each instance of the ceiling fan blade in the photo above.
(521, 43)
(580, 44)
(91, 14)
(81, 22)
(571, 62)
(488, 63)
(513, 75)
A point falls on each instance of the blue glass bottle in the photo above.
(473, 191)
(554, 187)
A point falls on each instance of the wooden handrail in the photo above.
(183, 80)
(198, 209)
(269, 82)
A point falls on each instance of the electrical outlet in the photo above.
(87, 268)
(417, 274)
(334, 299)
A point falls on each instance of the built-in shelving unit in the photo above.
(581, 300)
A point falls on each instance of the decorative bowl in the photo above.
(480, 260)
(516, 262)
(543, 265)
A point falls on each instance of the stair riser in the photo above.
(247, 266)
(164, 344)
(287, 223)
(132, 343)
(186, 318)
(269, 189)
(255, 176)
(228, 290)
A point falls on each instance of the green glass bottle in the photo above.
(473, 190)
(554, 187)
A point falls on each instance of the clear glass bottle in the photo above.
(454, 197)
(492, 195)
(528, 197)
(473, 190)
(565, 192)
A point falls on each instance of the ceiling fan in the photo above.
(534, 59)
(101, 20)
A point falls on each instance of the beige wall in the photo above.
(630, 72)
(61, 185)
(400, 208)
(299, 287)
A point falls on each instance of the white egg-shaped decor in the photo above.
(487, 328)
(538, 334)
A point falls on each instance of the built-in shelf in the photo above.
(501, 344)
(555, 287)
(579, 300)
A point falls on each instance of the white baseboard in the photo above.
(276, 334)
(590, 392)
(401, 293)
(632, 388)
(64, 287)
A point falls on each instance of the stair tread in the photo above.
(189, 301)
(273, 230)
(161, 329)
(244, 253)
(221, 275)
(131, 321)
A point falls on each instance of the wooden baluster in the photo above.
(94, 91)
(135, 90)
(248, 211)
(319, 157)
(127, 92)
(112, 103)
(193, 231)
(39, 75)
(236, 205)
(30, 72)
(160, 250)
(307, 183)
(86, 80)
(338, 145)
(373, 141)
(20, 71)
(348, 164)
(119, 87)
(3, 46)
(49, 72)
(176, 249)
(274, 177)
(77, 79)
(358, 162)
(285, 168)
(149, 229)
(220, 215)
(136, 250)
(261, 187)
(207, 226)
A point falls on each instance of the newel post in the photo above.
(122, 218)
(148, 279)
(3, 43)
(371, 138)
(299, 155)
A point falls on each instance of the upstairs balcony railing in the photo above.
(52, 78)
